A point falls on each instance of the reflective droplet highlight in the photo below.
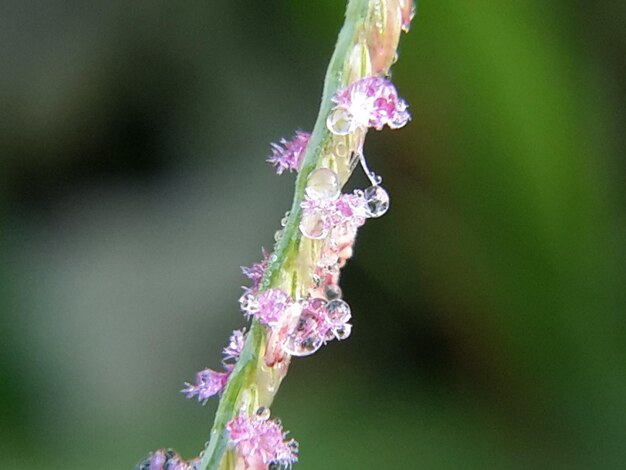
(303, 337)
(332, 291)
(338, 311)
(263, 412)
(339, 121)
(312, 226)
(340, 149)
(376, 201)
(323, 183)
(343, 332)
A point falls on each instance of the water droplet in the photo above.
(263, 412)
(327, 258)
(279, 465)
(332, 291)
(341, 149)
(376, 201)
(338, 311)
(303, 338)
(278, 235)
(249, 303)
(312, 226)
(343, 332)
(339, 121)
(285, 218)
(323, 183)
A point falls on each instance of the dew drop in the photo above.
(312, 226)
(332, 292)
(249, 303)
(341, 149)
(343, 332)
(303, 339)
(376, 201)
(263, 412)
(328, 258)
(278, 235)
(338, 311)
(339, 121)
(285, 218)
(279, 465)
(323, 183)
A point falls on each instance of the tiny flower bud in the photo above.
(260, 441)
(384, 33)
(408, 12)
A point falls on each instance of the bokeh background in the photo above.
(489, 303)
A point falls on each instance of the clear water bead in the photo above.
(303, 340)
(338, 311)
(263, 412)
(248, 303)
(323, 183)
(279, 465)
(343, 332)
(332, 291)
(312, 226)
(341, 148)
(303, 337)
(339, 121)
(376, 201)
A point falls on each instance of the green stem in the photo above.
(243, 375)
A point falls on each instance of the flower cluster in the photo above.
(299, 307)
(288, 154)
(261, 441)
(255, 273)
(167, 459)
(370, 102)
(210, 382)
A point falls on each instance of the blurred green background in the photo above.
(488, 304)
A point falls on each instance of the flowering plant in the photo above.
(294, 301)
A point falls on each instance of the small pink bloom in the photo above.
(269, 306)
(261, 440)
(208, 383)
(345, 214)
(371, 102)
(288, 154)
(235, 346)
(163, 459)
(255, 273)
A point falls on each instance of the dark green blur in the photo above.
(489, 303)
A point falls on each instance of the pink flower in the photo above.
(320, 321)
(235, 345)
(288, 154)
(269, 306)
(163, 459)
(258, 438)
(369, 102)
(208, 383)
(346, 213)
(255, 273)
